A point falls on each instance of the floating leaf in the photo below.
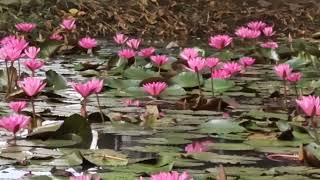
(221, 127)
(55, 80)
(105, 157)
(219, 158)
(187, 79)
(138, 73)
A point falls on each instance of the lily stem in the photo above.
(34, 120)
(199, 83)
(285, 93)
(99, 106)
(212, 85)
(314, 128)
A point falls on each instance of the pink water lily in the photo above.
(32, 85)
(232, 67)
(196, 64)
(247, 33)
(7, 39)
(220, 74)
(169, 176)
(131, 102)
(269, 45)
(256, 25)
(133, 43)
(310, 105)
(68, 24)
(11, 53)
(16, 43)
(120, 38)
(147, 52)
(18, 106)
(33, 64)
(84, 177)
(211, 62)
(26, 27)
(160, 59)
(283, 70)
(87, 43)
(268, 31)
(84, 89)
(294, 77)
(197, 146)
(155, 88)
(32, 52)
(246, 61)
(126, 53)
(56, 36)
(14, 123)
(96, 85)
(189, 53)
(220, 41)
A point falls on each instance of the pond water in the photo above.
(242, 146)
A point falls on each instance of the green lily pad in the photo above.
(121, 84)
(105, 157)
(219, 85)
(230, 146)
(219, 158)
(138, 73)
(187, 80)
(221, 127)
(174, 90)
(55, 80)
(165, 141)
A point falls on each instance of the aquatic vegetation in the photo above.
(14, 123)
(26, 27)
(18, 106)
(169, 176)
(155, 88)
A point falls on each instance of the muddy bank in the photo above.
(166, 18)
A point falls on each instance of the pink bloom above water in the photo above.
(96, 85)
(7, 39)
(189, 53)
(268, 31)
(16, 43)
(283, 71)
(120, 38)
(269, 45)
(31, 85)
(14, 123)
(131, 102)
(294, 77)
(196, 64)
(68, 24)
(160, 59)
(84, 177)
(56, 37)
(169, 176)
(247, 33)
(87, 43)
(18, 106)
(33, 64)
(11, 53)
(155, 88)
(26, 27)
(232, 67)
(147, 52)
(220, 41)
(197, 146)
(84, 89)
(310, 105)
(256, 25)
(133, 43)
(246, 61)
(32, 52)
(211, 62)
(220, 74)
(126, 53)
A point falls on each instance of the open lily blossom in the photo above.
(131, 102)
(283, 70)
(16, 43)
(211, 62)
(87, 43)
(84, 177)
(197, 146)
(26, 27)
(220, 41)
(155, 88)
(169, 176)
(220, 74)
(147, 52)
(256, 25)
(133, 43)
(32, 85)
(7, 39)
(246, 61)
(18, 106)
(32, 52)
(160, 59)
(246, 33)
(96, 85)
(126, 53)
(268, 31)
(120, 38)
(269, 45)
(310, 105)
(14, 123)
(84, 89)
(33, 64)
(11, 53)
(196, 64)
(232, 67)
(68, 24)
(56, 36)
(189, 53)
(294, 77)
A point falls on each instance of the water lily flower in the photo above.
(196, 147)
(96, 85)
(56, 36)
(14, 123)
(283, 70)
(68, 24)
(84, 89)
(169, 176)
(196, 64)
(269, 45)
(268, 31)
(120, 38)
(246, 61)
(155, 88)
(211, 62)
(247, 33)
(232, 67)
(18, 106)
(32, 85)
(189, 53)
(131, 102)
(147, 52)
(126, 53)
(11, 53)
(256, 25)
(33, 65)
(294, 77)
(84, 177)
(220, 41)
(26, 27)
(133, 43)
(160, 59)
(310, 105)
(16, 43)
(87, 43)
(7, 39)
(220, 74)
(32, 52)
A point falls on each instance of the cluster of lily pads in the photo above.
(146, 73)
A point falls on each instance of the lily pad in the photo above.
(221, 127)
(187, 80)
